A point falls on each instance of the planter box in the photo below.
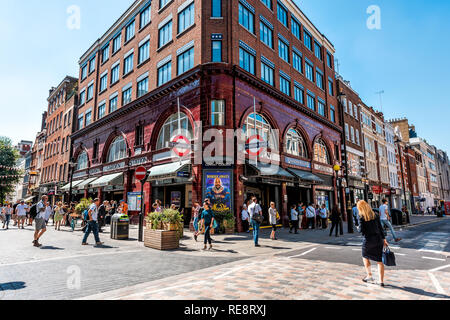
(170, 227)
(161, 239)
(229, 230)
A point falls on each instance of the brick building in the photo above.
(217, 58)
(353, 146)
(59, 120)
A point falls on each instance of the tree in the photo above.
(8, 158)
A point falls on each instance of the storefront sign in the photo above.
(114, 167)
(183, 174)
(218, 187)
(323, 168)
(377, 189)
(95, 171)
(138, 161)
(298, 162)
(175, 198)
(134, 201)
(79, 174)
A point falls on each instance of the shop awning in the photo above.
(170, 170)
(74, 184)
(306, 176)
(265, 170)
(29, 199)
(109, 180)
(85, 184)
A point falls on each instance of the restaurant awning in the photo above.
(305, 176)
(74, 184)
(85, 184)
(170, 170)
(109, 180)
(272, 171)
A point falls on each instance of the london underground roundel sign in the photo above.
(181, 145)
(141, 173)
(255, 145)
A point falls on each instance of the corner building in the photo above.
(217, 58)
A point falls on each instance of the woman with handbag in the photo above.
(273, 217)
(374, 241)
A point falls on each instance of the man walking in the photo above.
(355, 213)
(40, 225)
(310, 215)
(21, 213)
(256, 217)
(385, 219)
(101, 215)
(92, 225)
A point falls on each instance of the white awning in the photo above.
(74, 184)
(29, 199)
(109, 180)
(85, 184)
(169, 170)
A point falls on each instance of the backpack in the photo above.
(33, 211)
(86, 215)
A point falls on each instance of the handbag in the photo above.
(388, 257)
(257, 218)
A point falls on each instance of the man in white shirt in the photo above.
(254, 209)
(294, 219)
(384, 217)
(310, 215)
(40, 225)
(92, 225)
(245, 219)
(21, 212)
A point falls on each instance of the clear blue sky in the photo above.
(408, 58)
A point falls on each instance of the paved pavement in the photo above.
(310, 265)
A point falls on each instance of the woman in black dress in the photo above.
(374, 240)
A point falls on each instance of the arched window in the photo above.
(257, 124)
(82, 161)
(321, 152)
(295, 144)
(117, 150)
(171, 127)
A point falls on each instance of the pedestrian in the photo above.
(48, 212)
(21, 212)
(123, 207)
(92, 225)
(374, 241)
(196, 212)
(335, 220)
(7, 211)
(273, 217)
(102, 210)
(355, 213)
(59, 215)
(207, 219)
(294, 219)
(14, 215)
(2, 214)
(256, 217)
(158, 206)
(245, 219)
(39, 222)
(318, 220)
(385, 219)
(301, 214)
(323, 216)
(310, 216)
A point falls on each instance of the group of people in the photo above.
(24, 214)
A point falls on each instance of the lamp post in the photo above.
(72, 166)
(397, 141)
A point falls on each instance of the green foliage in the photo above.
(83, 205)
(166, 216)
(8, 158)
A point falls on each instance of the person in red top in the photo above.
(123, 207)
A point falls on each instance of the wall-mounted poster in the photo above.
(175, 198)
(218, 188)
(134, 201)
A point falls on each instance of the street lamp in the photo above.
(72, 166)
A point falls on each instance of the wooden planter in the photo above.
(161, 239)
(229, 230)
(170, 226)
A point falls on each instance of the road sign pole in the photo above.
(141, 215)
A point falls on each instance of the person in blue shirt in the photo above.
(207, 218)
(355, 215)
(385, 219)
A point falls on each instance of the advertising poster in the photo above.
(175, 198)
(218, 189)
(134, 201)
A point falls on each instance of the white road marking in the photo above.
(396, 248)
(354, 244)
(400, 254)
(356, 249)
(432, 251)
(333, 248)
(68, 257)
(440, 268)
(430, 258)
(302, 254)
(436, 283)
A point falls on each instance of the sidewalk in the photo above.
(416, 220)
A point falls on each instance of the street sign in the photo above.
(141, 173)
(181, 146)
(255, 145)
(183, 174)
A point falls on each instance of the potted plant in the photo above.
(171, 220)
(229, 223)
(163, 230)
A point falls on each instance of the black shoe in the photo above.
(257, 245)
(195, 237)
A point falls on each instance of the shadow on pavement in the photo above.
(50, 248)
(12, 285)
(419, 292)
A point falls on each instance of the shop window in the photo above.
(82, 162)
(256, 124)
(295, 144)
(321, 152)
